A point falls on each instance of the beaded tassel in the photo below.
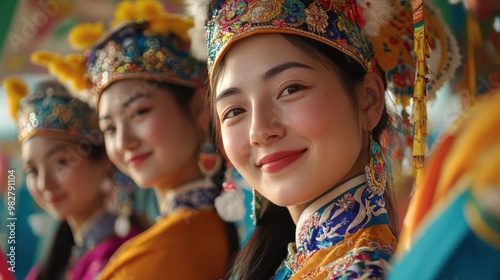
(419, 98)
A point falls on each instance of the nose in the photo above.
(125, 138)
(45, 181)
(267, 126)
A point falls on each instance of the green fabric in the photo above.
(8, 9)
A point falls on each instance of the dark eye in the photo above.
(291, 89)
(60, 163)
(30, 171)
(233, 113)
(140, 112)
(106, 129)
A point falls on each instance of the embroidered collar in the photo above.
(340, 212)
(195, 195)
(96, 230)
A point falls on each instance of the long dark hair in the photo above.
(267, 247)
(183, 95)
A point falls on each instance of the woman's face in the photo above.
(287, 124)
(148, 136)
(62, 178)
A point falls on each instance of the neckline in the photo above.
(195, 194)
(329, 195)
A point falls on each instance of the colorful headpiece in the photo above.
(145, 43)
(372, 32)
(49, 110)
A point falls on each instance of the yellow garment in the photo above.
(184, 245)
(324, 263)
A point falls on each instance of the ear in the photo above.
(199, 108)
(373, 101)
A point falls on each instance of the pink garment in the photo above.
(90, 265)
(5, 274)
(93, 262)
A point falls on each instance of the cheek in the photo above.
(35, 194)
(236, 144)
(111, 151)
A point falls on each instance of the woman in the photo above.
(68, 175)
(150, 96)
(298, 95)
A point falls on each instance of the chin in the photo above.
(145, 183)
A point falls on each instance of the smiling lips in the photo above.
(275, 162)
(138, 159)
(55, 199)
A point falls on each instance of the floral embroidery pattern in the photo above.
(50, 109)
(133, 51)
(315, 18)
(195, 199)
(353, 210)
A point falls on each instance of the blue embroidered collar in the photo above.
(98, 230)
(340, 212)
(195, 195)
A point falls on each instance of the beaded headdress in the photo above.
(50, 111)
(371, 32)
(143, 42)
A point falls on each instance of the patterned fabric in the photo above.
(196, 195)
(346, 25)
(346, 237)
(336, 23)
(99, 245)
(100, 229)
(51, 111)
(131, 51)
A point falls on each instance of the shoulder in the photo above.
(363, 255)
(179, 242)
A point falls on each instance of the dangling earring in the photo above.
(257, 199)
(376, 169)
(230, 203)
(123, 190)
(209, 160)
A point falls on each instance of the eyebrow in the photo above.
(55, 150)
(265, 77)
(127, 102)
(282, 67)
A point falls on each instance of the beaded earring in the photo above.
(257, 199)
(376, 169)
(209, 160)
(119, 189)
(230, 203)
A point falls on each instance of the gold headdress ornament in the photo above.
(421, 50)
(144, 42)
(16, 90)
(69, 69)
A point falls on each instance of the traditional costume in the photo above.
(345, 233)
(50, 111)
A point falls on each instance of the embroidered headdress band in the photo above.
(372, 32)
(144, 42)
(50, 111)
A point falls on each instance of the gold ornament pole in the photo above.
(419, 98)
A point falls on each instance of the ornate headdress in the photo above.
(372, 32)
(144, 42)
(49, 110)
